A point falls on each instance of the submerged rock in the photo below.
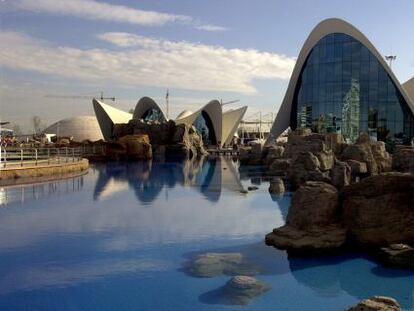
(239, 290)
(377, 303)
(213, 264)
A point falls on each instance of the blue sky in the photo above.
(200, 50)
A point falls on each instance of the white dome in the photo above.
(81, 128)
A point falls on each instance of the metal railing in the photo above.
(24, 157)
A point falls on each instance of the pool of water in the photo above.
(122, 237)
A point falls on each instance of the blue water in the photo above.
(119, 238)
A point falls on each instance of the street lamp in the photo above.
(390, 58)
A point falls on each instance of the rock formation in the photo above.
(376, 212)
(403, 159)
(312, 223)
(167, 138)
(379, 210)
(397, 255)
(377, 303)
(215, 264)
(239, 290)
(309, 156)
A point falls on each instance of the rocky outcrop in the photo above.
(215, 264)
(377, 303)
(341, 174)
(239, 290)
(376, 212)
(276, 186)
(306, 167)
(403, 159)
(379, 210)
(397, 255)
(312, 223)
(137, 147)
(325, 157)
(167, 138)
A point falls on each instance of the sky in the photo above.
(199, 50)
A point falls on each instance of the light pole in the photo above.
(390, 58)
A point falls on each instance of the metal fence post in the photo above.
(58, 155)
(48, 156)
(66, 151)
(35, 157)
(21, 157)
(73, 154)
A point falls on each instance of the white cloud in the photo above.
(94, 10)
(148, 62)
(211, 28)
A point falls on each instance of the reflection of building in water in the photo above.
(149, 178)
(24, 193)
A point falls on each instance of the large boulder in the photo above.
(214, 264)
(137, 147)
(397, 255)
(279, 167)
(277, 186)
(379, 210)
(305, 167)
(312, 222)
(361, 153)
(377, 303)
(341, 174)
(239, 290)
(403, 159)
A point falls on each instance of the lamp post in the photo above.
(390, 58)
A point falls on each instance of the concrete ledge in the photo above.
(23, 175)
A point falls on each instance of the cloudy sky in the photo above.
(200, 50)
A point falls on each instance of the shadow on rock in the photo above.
(239, 290)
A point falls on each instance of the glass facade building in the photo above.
(343, 88)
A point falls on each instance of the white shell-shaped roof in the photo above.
(184, 114)
(107, 116)
(143, 105)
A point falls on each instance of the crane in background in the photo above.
(102, 98)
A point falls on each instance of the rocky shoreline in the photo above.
(347, 196)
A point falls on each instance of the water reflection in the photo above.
(26, 193)
(149, 178)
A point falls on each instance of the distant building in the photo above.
(80, 128)
(341, 84)
(215, 126)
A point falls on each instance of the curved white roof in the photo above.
(184, 114)
(214, 112)
(81, 128)
(143, 105)
(231, 121)
(328, 26)
(107, 116)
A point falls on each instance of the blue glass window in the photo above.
(344, 88)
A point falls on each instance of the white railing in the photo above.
(24, 157)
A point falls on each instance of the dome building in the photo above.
(80, 128)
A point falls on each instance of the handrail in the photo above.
(14, 156)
